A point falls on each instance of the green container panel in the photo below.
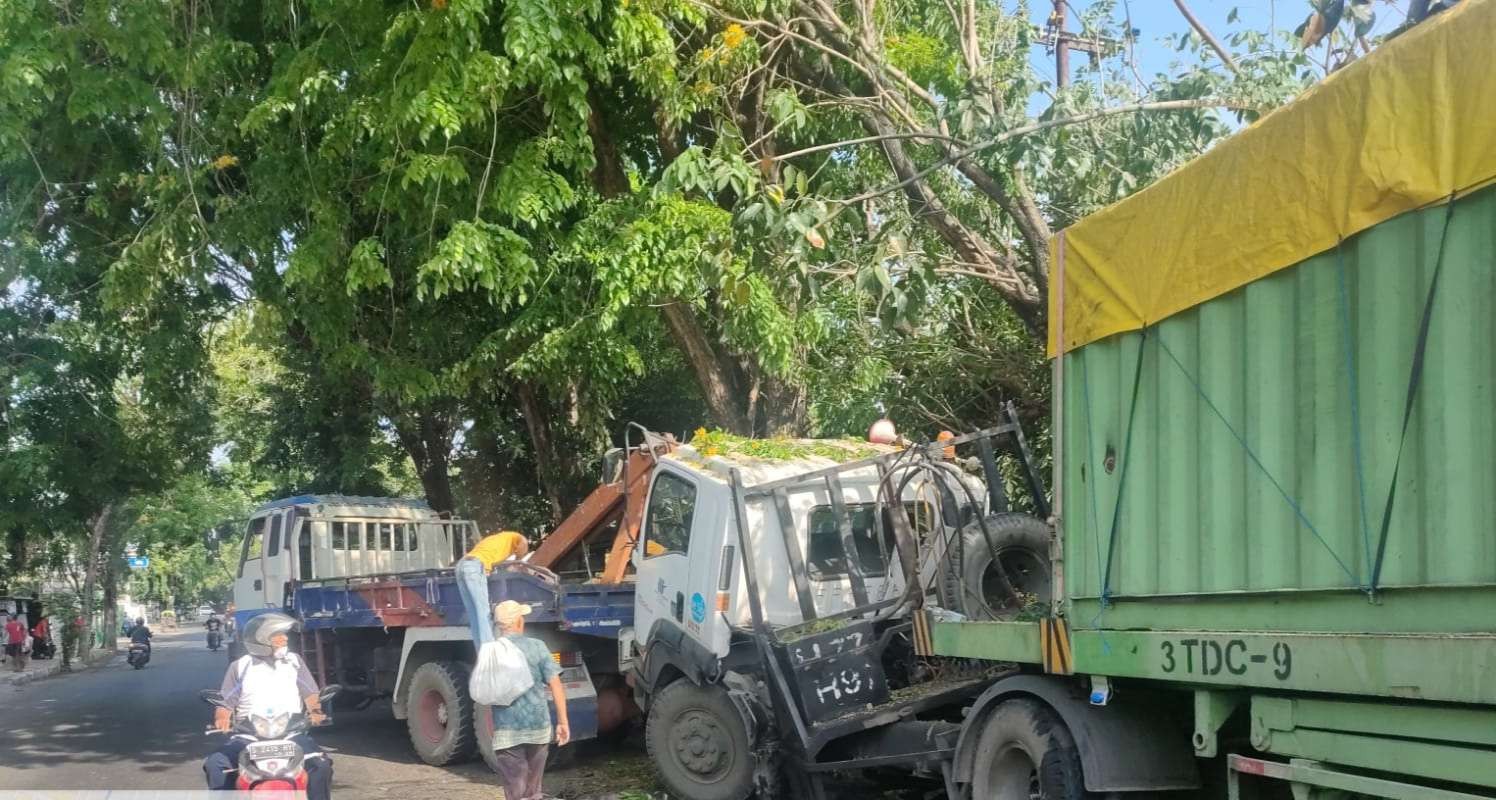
(1265, 372)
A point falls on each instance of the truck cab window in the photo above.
(825, 557)
(253, 540)
(667, 522)
(304, 550)
(275, 537)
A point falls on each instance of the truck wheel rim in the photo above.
(1014, 776)
(434, 716)
(702, 746)
(1027, 573)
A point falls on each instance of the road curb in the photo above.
(54, 668)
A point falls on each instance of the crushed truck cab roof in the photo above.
(715, 455)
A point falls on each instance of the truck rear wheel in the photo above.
(698, 744)
(440, 717)
(1022, 552)
(1026, 753)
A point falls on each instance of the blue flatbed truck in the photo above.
(405, 636)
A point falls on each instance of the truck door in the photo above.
(674, 560)
(249, 587)
(277, 559)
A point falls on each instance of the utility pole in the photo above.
(1054, 35)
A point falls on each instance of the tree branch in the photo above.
(1210, 39)
(863, 140)
(1009, 135)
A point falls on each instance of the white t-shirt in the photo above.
(267, 686)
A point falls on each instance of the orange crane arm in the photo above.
(602, 507)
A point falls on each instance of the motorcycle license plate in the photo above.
(263, 750)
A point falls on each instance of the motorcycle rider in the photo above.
(140, 634)
(268, 680)
(213, 624)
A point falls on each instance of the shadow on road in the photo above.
(113, 716)
(114, 727)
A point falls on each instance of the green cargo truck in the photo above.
(1274, 556)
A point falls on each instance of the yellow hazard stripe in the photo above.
(923, 643)
(1062, 636)
(1054, 644)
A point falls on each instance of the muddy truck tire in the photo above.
(440, 720)
(698, 743)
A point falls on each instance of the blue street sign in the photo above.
(139, 562)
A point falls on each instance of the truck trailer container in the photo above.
(1275, 461)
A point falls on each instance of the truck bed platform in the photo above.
(429, 598)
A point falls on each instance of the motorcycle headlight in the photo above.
(271, 727)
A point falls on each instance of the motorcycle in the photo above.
(272, 761)
(215, 639)
(43, 648)
(140, 654)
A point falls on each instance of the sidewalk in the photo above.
(36, 670)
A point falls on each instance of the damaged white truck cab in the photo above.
(775, 604)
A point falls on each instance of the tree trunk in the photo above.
(608, 176)
(427, 438)
(97, 526)
(547, 465)
(15, 545)
(111, 601)
(785, 410)
(714, 374)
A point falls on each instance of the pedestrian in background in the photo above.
(41, 639)
(472, 578)
(4, 636)
(522, 730)
(15, 640)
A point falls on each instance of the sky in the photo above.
(1156, 19)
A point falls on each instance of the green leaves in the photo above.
(479, 255)
(529, 189)
(708, 173)
(433, 168)
(366, 269)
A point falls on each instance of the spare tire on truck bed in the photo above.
(1020, 544)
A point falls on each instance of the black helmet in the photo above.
(257, 632)
(140, 620)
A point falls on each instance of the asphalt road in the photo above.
(114, 727)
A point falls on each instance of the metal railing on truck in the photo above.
(429, 597)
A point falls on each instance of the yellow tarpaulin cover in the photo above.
(1403, 128)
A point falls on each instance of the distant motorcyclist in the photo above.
(140, 637)
(214, 625)
(139, 633)
(268, 680)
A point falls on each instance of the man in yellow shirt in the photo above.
(472, 578)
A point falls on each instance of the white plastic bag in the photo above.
(501, 675)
